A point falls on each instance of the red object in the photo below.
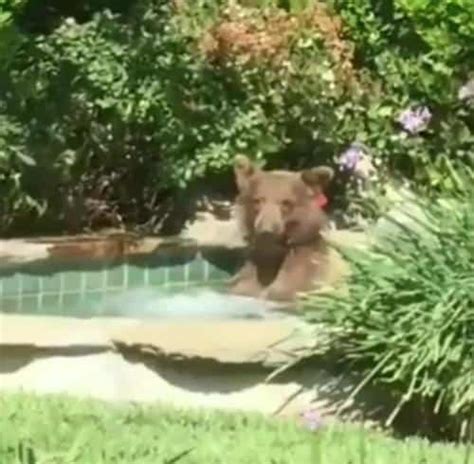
(321, 200)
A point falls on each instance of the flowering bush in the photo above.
(420, 55)
(122, 110)
(117, 111)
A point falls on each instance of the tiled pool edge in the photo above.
(66, 271)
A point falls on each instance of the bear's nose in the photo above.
(269, 220)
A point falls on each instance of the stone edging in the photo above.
(118, 245)
(267, 342)
(14, 252)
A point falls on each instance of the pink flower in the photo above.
(351, 157)
(312, 419)
(415, 120)
(356, 161)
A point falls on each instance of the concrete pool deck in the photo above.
(214, 364)
(217, 365)
(266, 342)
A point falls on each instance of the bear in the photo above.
(282, 224)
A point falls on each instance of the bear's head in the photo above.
(279, 207)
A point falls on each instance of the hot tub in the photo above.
(119, 276)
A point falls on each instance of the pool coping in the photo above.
(108, 246)
(121, 244)
(269, 343)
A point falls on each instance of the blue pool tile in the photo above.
(95, 279)
(29, 304)
(136, 276)
(115, 276)
(157, 276)
(30, 284)
(51, 283)
(72, 281)
(11, 285)
(50, 305)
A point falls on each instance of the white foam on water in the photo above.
(200, 304)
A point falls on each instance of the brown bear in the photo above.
(282, 224)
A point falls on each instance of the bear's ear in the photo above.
(244, 169)
(318, 178)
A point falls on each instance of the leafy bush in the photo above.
(9, 36)
(407, 320)
(446, 27)
(123, 106)
(120, 110)
(419, 55)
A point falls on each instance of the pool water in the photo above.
(154, 286)
(197, 303)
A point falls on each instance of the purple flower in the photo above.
(466, 92)
(351, 157)
(415, 120)
(312, 419)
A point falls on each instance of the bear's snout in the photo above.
(269, 220)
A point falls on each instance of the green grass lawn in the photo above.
(56, 430)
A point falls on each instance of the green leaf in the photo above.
(25, 159)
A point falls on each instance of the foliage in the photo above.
(13, 198)
(396, 42)
(117, 107)
(407, 320)
(61, 430)
(120, 110)
(9, 36)
(446, 27)
(7, 10)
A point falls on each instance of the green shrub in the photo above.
(120, 110)
(9, 35)
(419, 55)
(13, 196)
(407, 320)
(447, 27)
(123, 106)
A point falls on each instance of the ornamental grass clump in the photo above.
(406, 322)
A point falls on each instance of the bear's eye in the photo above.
(287, 206)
